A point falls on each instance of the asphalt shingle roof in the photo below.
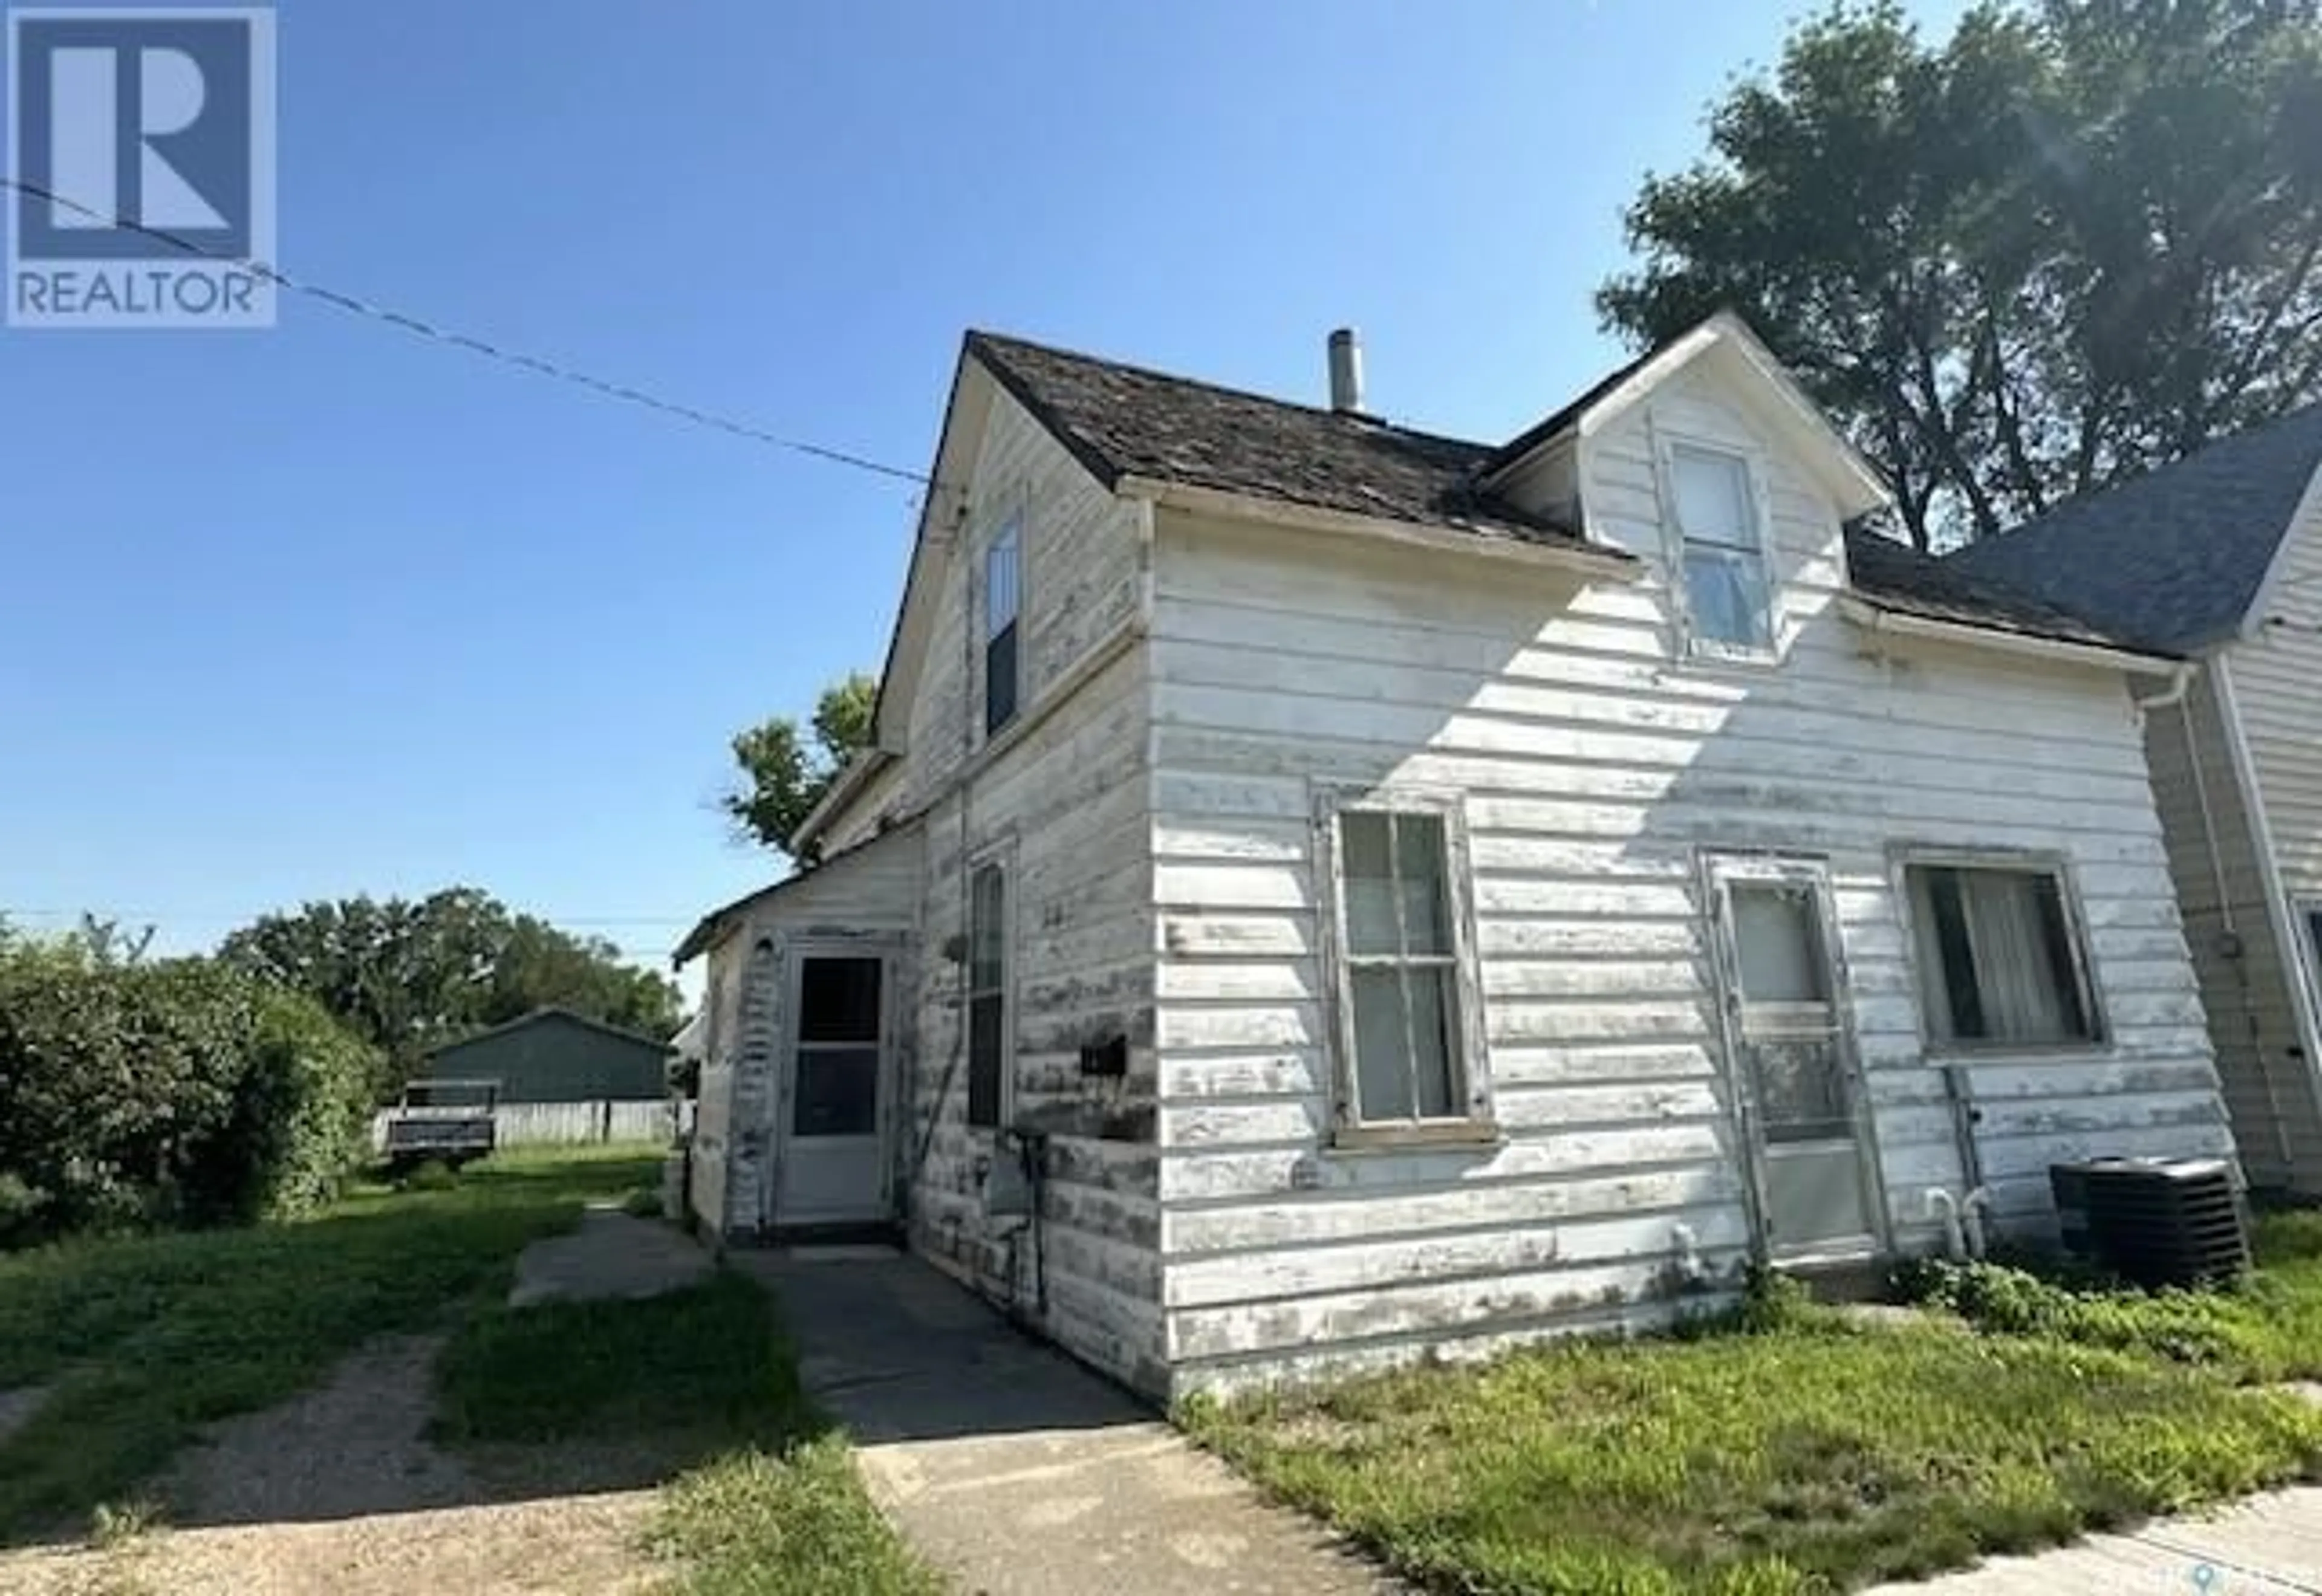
(2173, 559)
(1895, 575)
(1124, 421)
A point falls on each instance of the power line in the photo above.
(103, 912)
(420, 327)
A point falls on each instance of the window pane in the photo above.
(1775, 934)
(987, 922)
(986, 1017)
(1712, 498)
(838, 1000)
(1419, 857)
(1726, 595)
(2023, 970)
(1800, 1095)
(1996, 955)
(1000, 584)
(838, 1092)
(1432, 1005)
(1000, 679)
(1382, 1048)
(1369, 882)
(1946, 969)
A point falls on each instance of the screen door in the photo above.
(833, 1161)
(1790, 1060)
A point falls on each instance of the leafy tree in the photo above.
(2073, 241)
(406, 976)
(785, 773)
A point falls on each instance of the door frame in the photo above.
(887, 949)
(1719, 868)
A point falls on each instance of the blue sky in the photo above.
(323, 609)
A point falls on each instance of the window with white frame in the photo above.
(2001, 960)
(1002, 598)
(987, 994)
(1728, 601)
(1405, 971)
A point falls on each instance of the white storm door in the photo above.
(833, 1164)
(1790, 1060)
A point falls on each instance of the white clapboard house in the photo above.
(2219, 558)
(1324, 890)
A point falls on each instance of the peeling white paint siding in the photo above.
(1595, 766)
(872, 895)
(2274, 676)
(1065, 788)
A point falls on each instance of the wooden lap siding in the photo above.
(2273, 676)
(870, 896)
(1061, 793)
(1595, 767)
(2250, 997)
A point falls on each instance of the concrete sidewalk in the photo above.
(1013, 1469)
(2268, 1546)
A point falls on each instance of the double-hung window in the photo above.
(2001, 962)
(987, 993)
(1409, 1056)
(1003, 592)
(1728, 600)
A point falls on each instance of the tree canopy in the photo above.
(786, 770)
(2077, 240)
(408, 975)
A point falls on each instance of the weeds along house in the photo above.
(1324, 890)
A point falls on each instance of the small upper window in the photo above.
(1999, 960)
(1002, 597)
(1726, 593)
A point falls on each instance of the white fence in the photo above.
(531, 1125)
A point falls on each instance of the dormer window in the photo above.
(1728, 601)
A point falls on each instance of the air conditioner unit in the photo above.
(2155, 1222)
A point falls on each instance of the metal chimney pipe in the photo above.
(1346, 371)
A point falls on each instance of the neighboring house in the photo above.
(2219, 558)
(553, 1055)
(1322, 890)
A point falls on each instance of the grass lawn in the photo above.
(1802, 1452)
(773, 1509)
(141, 1341)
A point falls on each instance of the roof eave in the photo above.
(1579, 558)
(852, 780)
(1856, 484)
(1875, 616)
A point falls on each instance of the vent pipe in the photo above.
(1346, 371)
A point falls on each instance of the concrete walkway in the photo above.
(2268, 1546)
(1013, 1469)
(608, 1254)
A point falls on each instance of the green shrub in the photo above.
(175, 1092)
(2212, 1328)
